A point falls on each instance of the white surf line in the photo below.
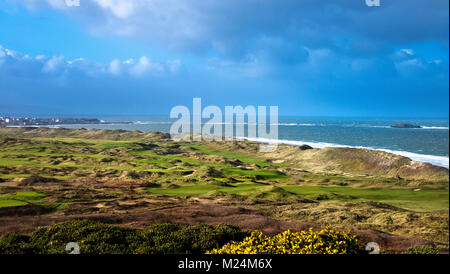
(432, 127)
(432, 159)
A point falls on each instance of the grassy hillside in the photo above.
(346, 161)
(60, 174)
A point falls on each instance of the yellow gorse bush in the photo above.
(326, 241)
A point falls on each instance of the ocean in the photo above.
(427, 144)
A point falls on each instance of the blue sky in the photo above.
(311, 58)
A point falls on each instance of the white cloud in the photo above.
(52, 64)
(437, 62)
(408, 51)
(77, 60)
(407, 63)
(119, 8)
(115, 67)
(250, 67)
(38, 4)
(8, 52)
(58, 4)
(145, 65)
(174, 65)
(141, 66)
(129, 61)
(40, 57)
(234, 28)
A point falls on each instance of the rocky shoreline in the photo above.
(403, 125)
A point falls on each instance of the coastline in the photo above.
(137, 178)
(441, 161)
(431, 159)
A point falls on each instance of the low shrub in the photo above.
(427, 249)
(197, 239)
(92, 237)
(326, 241)
(98, 238)
(14, 243)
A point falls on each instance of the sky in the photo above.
(142, 57)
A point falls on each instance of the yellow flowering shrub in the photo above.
(326, 241)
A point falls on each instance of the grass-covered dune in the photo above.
(349, 161)
(138, 179)
(43, 132)
(346, 160)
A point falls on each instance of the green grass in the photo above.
(9, 203)
(405, 198)
(33, 156)
(20, 198)
(227, 154)
(165, 159)
(41, 155)
(201, 189)
(263, 174)
(24, 195)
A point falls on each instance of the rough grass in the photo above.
(406, 198)
(429, 225)
(120, 170)
(262, 174)
(204, 148)
(202, 189)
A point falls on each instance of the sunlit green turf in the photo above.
(200, 189)
(264, 174)
(9, 203)
(405, 198)
(87, 157)
(20, 198)
(227, 154)
(24, 195)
